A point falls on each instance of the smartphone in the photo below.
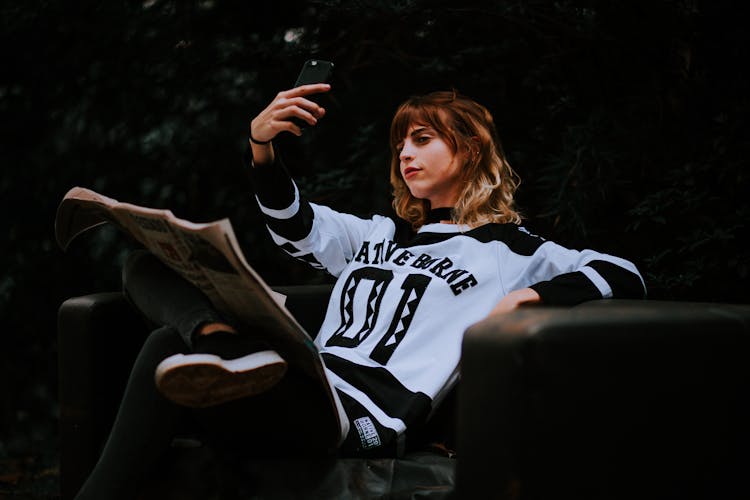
(313, 71)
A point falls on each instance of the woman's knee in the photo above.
(136, 263)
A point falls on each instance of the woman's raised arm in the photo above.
(276, 118)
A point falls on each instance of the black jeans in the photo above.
(294, 418)
(164, 297)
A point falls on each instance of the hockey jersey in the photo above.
(391, 338)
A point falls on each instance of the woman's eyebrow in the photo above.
(420, 130)
(415, 133)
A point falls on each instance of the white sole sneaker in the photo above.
(202, 380)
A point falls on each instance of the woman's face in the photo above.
(429, 167)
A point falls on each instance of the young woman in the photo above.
(407, 289)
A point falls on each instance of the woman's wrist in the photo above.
(261, 148)
(256, 136)
(253, 140)
(262, 153)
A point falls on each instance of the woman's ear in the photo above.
(466, 153)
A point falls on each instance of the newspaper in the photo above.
(209, 256)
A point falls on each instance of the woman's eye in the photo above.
(422, 139)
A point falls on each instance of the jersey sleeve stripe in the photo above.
(289, 248)
(295, 228)
(385, 390)
(625, 284)
(272, 184)
(310, 259)
(598, 281)
(567, 289)
(284, 213)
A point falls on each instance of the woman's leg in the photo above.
(295, 418)
(165, 297)
(144, 426)
(223, 365)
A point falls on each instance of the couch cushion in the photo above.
(197, 473)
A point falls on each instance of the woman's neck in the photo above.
(443, 215)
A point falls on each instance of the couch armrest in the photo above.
(609, 399)
(98, 339)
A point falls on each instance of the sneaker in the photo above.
(201, 380)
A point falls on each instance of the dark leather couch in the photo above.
(606, 400)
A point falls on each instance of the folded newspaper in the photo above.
(209, 256)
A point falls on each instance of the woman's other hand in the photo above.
(277, 118)
(516, 298)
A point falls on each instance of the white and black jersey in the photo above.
(391, 338)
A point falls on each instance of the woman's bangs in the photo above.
(407, 115)
(414, 113)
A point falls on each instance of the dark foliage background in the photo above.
(626, 120)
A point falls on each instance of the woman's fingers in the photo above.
(303, 90)
(302, 114)
(288, 126)
(302, 108)
(286, 105)
(295, 97)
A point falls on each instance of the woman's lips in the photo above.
(410, 172)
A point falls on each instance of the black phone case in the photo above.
(313, 71)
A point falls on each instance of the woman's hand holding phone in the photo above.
(278, 115)
(286, 105)
(291, 110)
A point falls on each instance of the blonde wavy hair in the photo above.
(465, 125)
